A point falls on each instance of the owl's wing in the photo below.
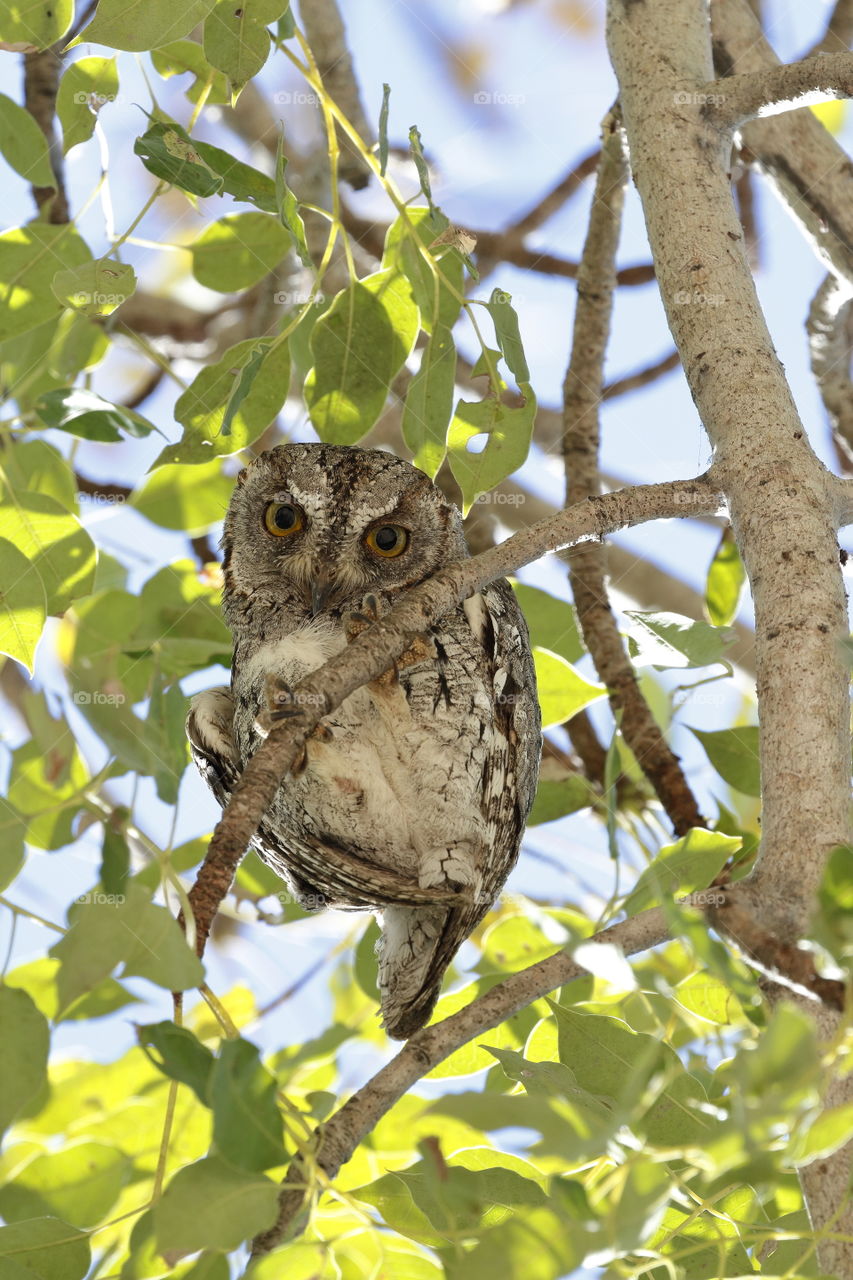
(510, 775)
(345, 878)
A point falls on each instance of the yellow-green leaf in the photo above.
(238, 251)
(84, 88)
(562, 692)
(23, 144)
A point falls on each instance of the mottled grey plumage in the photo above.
(416, 804)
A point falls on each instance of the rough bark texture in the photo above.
(781, 499)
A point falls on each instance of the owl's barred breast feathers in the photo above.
(421, 783)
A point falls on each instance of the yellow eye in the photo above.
(283, 518)
(388, 540)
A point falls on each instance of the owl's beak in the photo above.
(322, 588)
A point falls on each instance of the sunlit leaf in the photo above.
(238, 251)
(210, 1205)
(734, 755)
(24, 1044)
(23, 145)
(85, 87)
(143, 24)
(508, 430)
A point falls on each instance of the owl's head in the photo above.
(322, 525)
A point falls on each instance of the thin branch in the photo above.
(324, 31)
(839, 30)
(375, 650)
(642, 377)
(804, 162)
(554, 200)
(41, 83)
(737, 98)
(831, 347)
(339, 1136)
(493, 245)
(582, 395)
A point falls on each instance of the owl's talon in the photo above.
(281, 705)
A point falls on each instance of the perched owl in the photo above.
(411, 800)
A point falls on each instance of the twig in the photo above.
(495, 246)
(549, 204)
(831, 347)
(806, 165)
(41, 82)
(582, 394)
(325, 33)
(339, 1136)
(375, 650)
(738, 98)
(642, 377)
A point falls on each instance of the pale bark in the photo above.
(783, 503)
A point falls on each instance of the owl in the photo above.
(411, 798)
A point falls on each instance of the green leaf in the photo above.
(138, 25)
(84, 88)
(436, 290)
(562, 692)
(288, 207)
(557, 799)
(23, 145)
(44, 1247)
(243, 386)
(240, 180)
(95, 288)
(107, 930)
(58, 547)
(83, 413)
(832, 925)
(169, 153)
(551, 622)
(692, 863)
(12, 831)
(180, 56)
(180, 619)
(505, 320)
(24, 1046)
(613, 1062)
(28, 258)
(187, 498)
(539, 1244)
(726, 581)
(182, 1056)
(383, 129)
(46, 785)
(23, 605)
(247, 1124)
(359, 345)
(365, 964)
(202, 408)
(115, 859)
(239, 250)
(38, 979)
(28, 25)
(429, 402)
(509, 430)
(734, 755)
(80, 1184)
(670, 640)
(416, 148)
(210, 1205)
(36, 465)
(236, 40)
(832, 1130)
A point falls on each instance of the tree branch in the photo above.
(376, 648)
(783, 503)
(41, 83)
(738, 98)
(810, 171)
(831, 347)
(324, 30)
(582, 396)
(338, 1137)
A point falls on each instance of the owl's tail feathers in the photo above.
(417, 945)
